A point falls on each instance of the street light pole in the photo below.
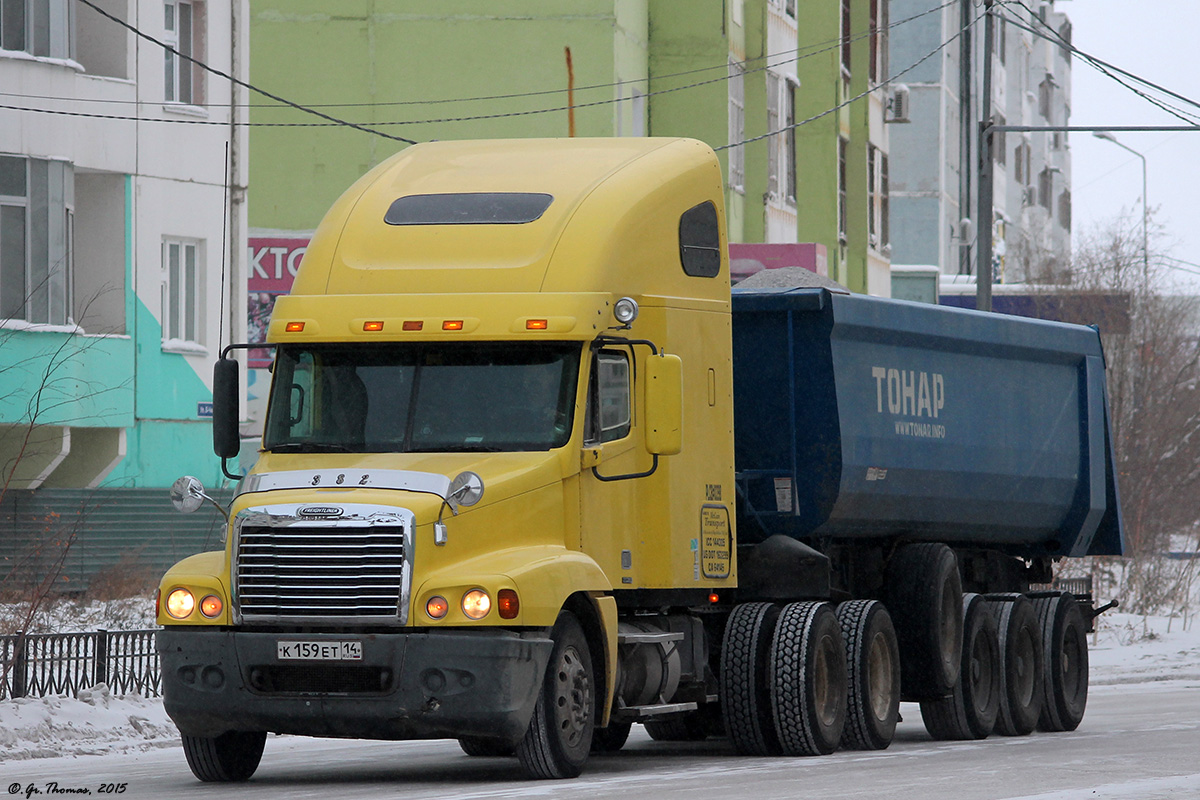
(1108, 137)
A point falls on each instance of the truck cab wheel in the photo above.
(231, 757)
(1065, 653)
(970, 711)
(807, 671)
(872, 675)
(745, 689)
(559, 736)
(1022, 672)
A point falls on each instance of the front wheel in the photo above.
(559, 736)
(228, 758)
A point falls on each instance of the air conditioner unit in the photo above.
(898, 104)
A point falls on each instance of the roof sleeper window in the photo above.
(475, 208)
(700, 241)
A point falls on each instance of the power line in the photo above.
(1103, 66)
(860, 95)
(238, 81)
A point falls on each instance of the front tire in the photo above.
(559, 736)
(231, 757)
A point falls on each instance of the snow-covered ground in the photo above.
(1126, 649)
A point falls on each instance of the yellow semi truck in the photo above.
(496, 497)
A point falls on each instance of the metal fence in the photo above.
(41, 664)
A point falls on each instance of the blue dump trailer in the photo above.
(927, 466)
(859, 418)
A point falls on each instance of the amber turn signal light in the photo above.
(211, 606)
(507, 604)
(294, 327)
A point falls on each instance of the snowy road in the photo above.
(1137, 741)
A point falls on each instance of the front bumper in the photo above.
(428, 685)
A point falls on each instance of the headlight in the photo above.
(476, 604)
(180, 603)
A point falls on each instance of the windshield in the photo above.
(422, 397)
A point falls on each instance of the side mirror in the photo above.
(664, 404)
(226, 395)
(187, 494)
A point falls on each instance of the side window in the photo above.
(700, 241)
(609, 407)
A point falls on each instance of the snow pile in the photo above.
(96, 722)
(75, 615)
(1130, 648)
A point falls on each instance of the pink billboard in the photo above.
(273, 265)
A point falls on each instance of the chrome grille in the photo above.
(321, 572)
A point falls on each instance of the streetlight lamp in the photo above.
(1145, 201)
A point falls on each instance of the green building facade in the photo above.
(723, 71)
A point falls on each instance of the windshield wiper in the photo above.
(460, 448)
(311, 447)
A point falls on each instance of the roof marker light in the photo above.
(413, 325)
(294, 327)
(536, 324)
(373, 326)
(452, 325)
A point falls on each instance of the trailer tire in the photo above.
(872, 675)
(689, 727)
(970, 711)
(559, 737)
(807, 672)
(1065, 653)
(1021, 675)
(612, 738)
(744, 688)
(231, 757)
(924, 596)
(485, 748)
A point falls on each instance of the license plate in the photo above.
(319, 651)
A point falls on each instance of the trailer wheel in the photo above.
(485, 748)
(689, 727)
(970, 711)
(807, 670)
(230, 757)
(1065, 653)
(559, 736)
(1021, 676)
(924, 596)
(872, 675)
(744, 688)
(612, 738)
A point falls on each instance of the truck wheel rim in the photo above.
(572, 697)
(880, 668)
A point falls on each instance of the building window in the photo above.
(774, 82)
(1046, 96)
(38, 27)
(1046, 188)
(843, 146)
(1001, 40)
(37, 220)
(737, 126)
(183, 24)
(181, 293)
(1064, 209)
(885, 239)
(879, 40)
(877, 197)
(789, 140)
(846, 36)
